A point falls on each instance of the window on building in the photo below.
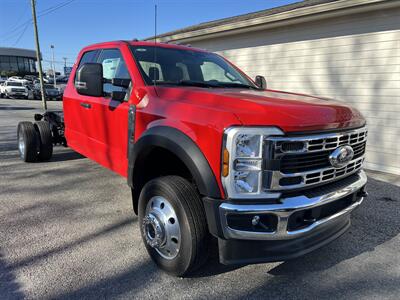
(13, 64)
(32, 64)
(21, 66)
(26, 65)
(4, 63)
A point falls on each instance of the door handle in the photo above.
(85, 105)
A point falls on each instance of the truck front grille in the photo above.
(294, 163)
(303, 161)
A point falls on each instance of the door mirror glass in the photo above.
(261, 82)
(89, 80)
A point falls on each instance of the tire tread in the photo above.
(189, 199)
(46, 140)
(31, 139)
(197, 214)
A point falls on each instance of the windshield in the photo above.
(49, 87)
(187, 67)
(11, 83)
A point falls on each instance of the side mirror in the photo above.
(261, 82)
(118, 96)
(89, 80)
(125, 83)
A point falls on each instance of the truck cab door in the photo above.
(107, 117)
(77, 111)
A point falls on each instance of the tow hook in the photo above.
(362, 193)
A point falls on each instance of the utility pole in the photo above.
(53, 67)
(65, 64)
(33, 4)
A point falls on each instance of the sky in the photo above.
(70, 25)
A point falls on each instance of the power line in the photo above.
(21, 15)
(22, 28)
(20, 36)
(41, 13)
(52, 9)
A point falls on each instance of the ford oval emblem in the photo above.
(341, 156)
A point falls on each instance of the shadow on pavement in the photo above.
(136, 278)
(65, 247)
(16, 108)
(9, 287)
(66, 155)
(213, 267)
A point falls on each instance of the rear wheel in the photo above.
(27, 141)
(45, 139)
(173, 225)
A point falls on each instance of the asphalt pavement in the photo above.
(67, 231)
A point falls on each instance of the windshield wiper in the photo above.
(238, 85)
(208, 85)
(189, 83)
(197, 83)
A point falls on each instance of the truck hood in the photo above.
(289, 111)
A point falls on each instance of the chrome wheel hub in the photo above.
(160, 227)
(21, 145)
(155, 234)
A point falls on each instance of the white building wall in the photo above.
(355, 59)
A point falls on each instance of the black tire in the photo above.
(45, 140)
(27, 135)
(195, 237)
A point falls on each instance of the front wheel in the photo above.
(173, 225)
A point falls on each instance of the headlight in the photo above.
(243, 155)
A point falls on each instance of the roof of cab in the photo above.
(141, 43)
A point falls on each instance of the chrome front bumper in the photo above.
(285, 209)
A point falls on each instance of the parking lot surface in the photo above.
(67, 230)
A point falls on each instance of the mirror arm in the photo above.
(118, 82)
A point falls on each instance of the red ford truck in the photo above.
(209, 153)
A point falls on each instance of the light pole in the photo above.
(54, 66)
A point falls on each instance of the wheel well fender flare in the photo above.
(184, 148)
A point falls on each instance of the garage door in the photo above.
(355, 59)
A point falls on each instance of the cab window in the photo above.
(113, 67)
(87, 57)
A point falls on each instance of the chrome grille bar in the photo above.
(314, 177)
(319, 144)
